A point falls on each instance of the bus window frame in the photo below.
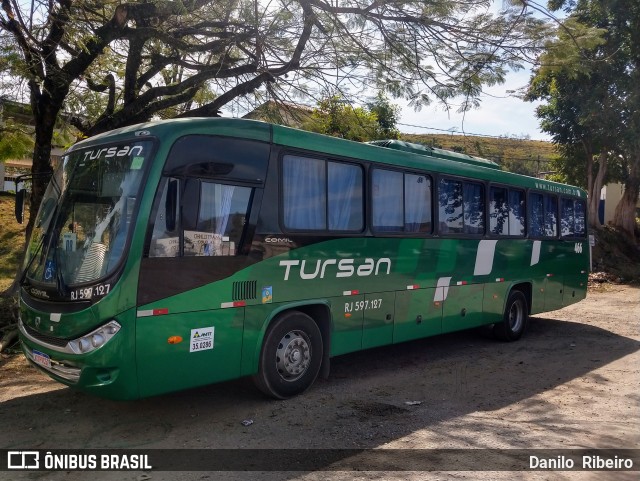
(243, 246)
(181, 174)
(462, 235)
(509, 188)
(128, 245)
(543, 194)
(326, 232)
(403, 171)
(574, 236)
(242, 241)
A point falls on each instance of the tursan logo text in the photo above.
(336, 268)
(113, 152)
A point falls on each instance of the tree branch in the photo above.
(31, 55)
(58, 18)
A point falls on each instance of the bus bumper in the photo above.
(112, 380)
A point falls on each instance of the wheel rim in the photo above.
(516, 316)
(293, 355)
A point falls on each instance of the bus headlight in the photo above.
(95, 339)
(84, 345)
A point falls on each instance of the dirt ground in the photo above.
(573, 381)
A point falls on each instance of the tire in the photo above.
(291, 356)
(515, 319)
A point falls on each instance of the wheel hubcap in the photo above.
(293, 355)
(516, 316)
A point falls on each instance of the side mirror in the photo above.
(171, 205)
(20, 197)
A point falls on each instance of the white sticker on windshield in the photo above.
(69, 240)
(201, 339)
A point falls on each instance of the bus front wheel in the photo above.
(291, 356)
(515, 319)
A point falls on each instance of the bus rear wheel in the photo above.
(291, 356)
(515, 319)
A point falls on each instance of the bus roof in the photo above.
(434, 152)
(397, 153)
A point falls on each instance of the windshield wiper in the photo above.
(61, 287)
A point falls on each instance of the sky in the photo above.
(500, 114)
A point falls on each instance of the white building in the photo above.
(610, 195)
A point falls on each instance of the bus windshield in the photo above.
(85, 216)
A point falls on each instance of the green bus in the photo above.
(180, 253)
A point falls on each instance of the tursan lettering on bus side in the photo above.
(343, 268)
(113, 152)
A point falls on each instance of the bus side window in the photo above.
(388, 203)
(567, 218)
(516, 212)
(581, 218)
(473, 208)
(450, 206)
(461, 207)
(506, 212)
(498, 211)
(550, 216)
(220, 221)
(321, 195)
(165, 239)
(304, 191)
(344, 189)
(536, 215)
(573, 218)
(401, 202)
(417, 203)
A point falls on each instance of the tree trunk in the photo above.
(594, 186)
(46, 106)
(624, 217)
(45, 115)
(41, 164)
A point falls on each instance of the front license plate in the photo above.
(41, 358)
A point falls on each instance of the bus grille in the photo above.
(244, 290)
(53, 341)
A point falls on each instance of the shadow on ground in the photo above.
(363, 404)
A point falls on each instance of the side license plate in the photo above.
(41, 358)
